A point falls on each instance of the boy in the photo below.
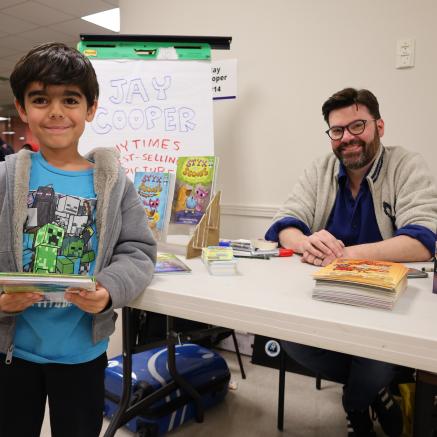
(62, 212)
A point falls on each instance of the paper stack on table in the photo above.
(366, 283)
(219, 260)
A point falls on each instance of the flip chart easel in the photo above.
(157, 48)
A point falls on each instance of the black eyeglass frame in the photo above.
(347, 127)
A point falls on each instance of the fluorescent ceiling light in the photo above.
(109, 19)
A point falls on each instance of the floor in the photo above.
(250, 410)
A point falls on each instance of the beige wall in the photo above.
(292, 55)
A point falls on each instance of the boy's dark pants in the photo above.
(362, 378)
(75, 394)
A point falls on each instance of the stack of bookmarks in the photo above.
(361, 282)
(219, 260)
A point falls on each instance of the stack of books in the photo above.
(360, 282)
(51, 286)
(219, 260)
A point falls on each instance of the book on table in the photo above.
(51, 286)
(170, 263)
(194, 188)
(156, 192)
(361, 282)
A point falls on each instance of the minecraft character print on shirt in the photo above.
(59, 234)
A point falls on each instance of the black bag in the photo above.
(153, 327)
(425, 414)
(266, 352)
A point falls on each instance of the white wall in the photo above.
(292, 55)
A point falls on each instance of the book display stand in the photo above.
(207, 231)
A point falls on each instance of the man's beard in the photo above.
(360, 159)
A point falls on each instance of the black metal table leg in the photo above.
(127, 339)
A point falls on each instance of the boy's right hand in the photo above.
(16, 302)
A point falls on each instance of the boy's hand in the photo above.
(16, 302)
(90, 301)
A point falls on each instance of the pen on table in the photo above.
(260, 256)
(276, 252)
(427, 269)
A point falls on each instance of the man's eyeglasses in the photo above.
(354, 128)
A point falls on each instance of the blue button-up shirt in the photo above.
(353, 221)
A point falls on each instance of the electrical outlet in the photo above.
(405, 49)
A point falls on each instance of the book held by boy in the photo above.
(51, 286)
(170, 263)
(360, 282)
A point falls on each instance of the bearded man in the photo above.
(367, 201)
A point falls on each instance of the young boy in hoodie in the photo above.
(61, 212)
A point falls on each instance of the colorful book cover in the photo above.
(156, 193)
(194, 186)
(383, 274)
(170, 263)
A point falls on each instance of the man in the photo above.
(363, 201)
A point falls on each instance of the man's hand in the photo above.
(321, 246)
(16, 302)
(89, 301)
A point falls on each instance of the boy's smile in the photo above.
(56, 115)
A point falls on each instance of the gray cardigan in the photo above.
(402, 188)
(126, 249)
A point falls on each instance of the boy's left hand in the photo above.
(90, 301)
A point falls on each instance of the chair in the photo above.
(281, 389)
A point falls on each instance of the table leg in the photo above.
(117, 420)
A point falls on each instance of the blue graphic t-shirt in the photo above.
(59, 237)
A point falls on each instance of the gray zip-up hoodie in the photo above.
(126, 249)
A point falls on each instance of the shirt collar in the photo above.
(343, 177)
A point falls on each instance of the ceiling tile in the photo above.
(4, 65)
(78, 26)
(7, 3)
(113, 2)
(17, 42)
(78, 8)
(6, 51)
(13, 25)
(36, 13)
(45, 34)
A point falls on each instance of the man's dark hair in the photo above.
(348, 97)
(55, 64)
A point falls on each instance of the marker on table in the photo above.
(427, 269)
(277, 252)
(257, 256)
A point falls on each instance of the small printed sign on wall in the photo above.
(224, 79)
